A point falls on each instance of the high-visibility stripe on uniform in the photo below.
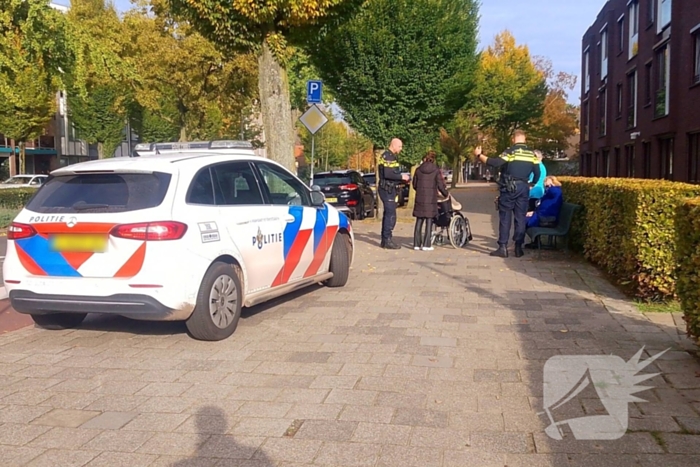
(521, 156)
(382, 161)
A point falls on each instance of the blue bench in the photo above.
(566, 215)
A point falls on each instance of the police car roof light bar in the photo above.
(230, 144)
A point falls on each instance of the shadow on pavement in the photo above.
(214, 443)
(249, 316)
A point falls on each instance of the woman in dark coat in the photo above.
(427, 181)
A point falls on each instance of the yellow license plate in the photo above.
(332, 200)
(79, 243)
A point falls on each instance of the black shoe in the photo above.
(390, 245)
(519, 251)
(502, 252)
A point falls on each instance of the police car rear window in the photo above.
(96, 193)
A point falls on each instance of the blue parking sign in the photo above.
(314, 91)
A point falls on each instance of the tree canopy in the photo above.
(98, 101)
(37, 55)
(510, 90)
(401, 68)
(264, 28)
(186, 81)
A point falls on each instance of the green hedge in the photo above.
(688, 260)
(627, 227)
(15, 198)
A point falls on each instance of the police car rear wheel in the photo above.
(340, 261)
(56, 321)
(218, 307)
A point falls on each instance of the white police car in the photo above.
(192, 235)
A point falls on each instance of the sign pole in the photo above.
(313, 148)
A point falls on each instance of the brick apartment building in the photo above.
(640, 96)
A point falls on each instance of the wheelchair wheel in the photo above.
(459, 231)
(436, 237)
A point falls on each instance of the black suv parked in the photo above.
(347, 189)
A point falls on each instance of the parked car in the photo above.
(347, 190)
(184, 235)
(371, 180)
(24, 181)
(447, 175)
(405, 189)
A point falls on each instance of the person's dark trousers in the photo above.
(515, 205)
(418, 232)
(389, 217)
(428, 233)
(421, 239)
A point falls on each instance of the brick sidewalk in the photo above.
(424, 359)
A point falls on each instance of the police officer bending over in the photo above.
(390, 179)
(516, 163)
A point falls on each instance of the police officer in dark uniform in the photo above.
(388, 187)
(516, 164)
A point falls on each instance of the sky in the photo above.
(550, 28)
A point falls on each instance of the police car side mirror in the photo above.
(316, 188)
(317, 198)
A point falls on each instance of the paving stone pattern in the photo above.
(424, 359)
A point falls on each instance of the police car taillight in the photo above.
(19, 231)
(150, 231)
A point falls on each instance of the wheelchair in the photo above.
(451, 225)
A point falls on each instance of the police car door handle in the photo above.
(289, 219)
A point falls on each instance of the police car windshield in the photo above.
(93, 193)
(331, 180)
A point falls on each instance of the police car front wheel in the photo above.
(340, 261)
(218, 306)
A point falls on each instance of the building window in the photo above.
(616, 166)
(587, 71)
(629, 160)
(620, 100)
(666, 158)
(664, 14)
(603, 112)
(621, 33)
(647, 84)
(694, 157)
(634, 28)
(604, 54)
(651, 11)
(696, 68)
(647, 159)
(663, 71)
(632, 100)
(585, 120)
(606, 163)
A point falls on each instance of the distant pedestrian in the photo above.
(427, 181)
(516, 163)
(388, 180)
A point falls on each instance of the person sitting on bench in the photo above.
(547, 213)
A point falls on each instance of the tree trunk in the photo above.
(276, 109)
(22, 157)
(100, 150)
(13, 159)
(380, 204)
(183, 134)
(411, 191)
(456, 171)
